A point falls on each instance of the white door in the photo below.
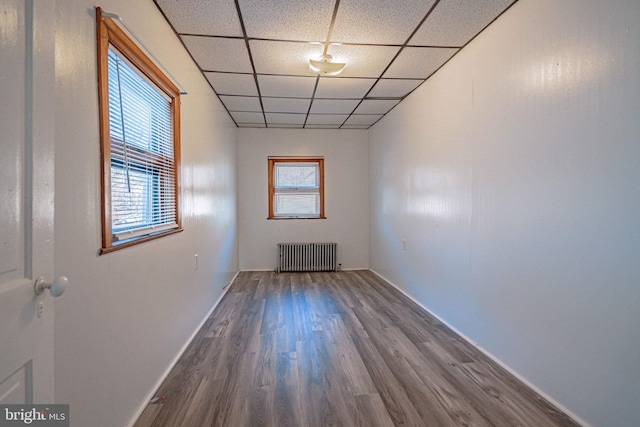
(26, 199)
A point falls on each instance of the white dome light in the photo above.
(325, 66)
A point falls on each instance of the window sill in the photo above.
(297, 217)
(132, 242)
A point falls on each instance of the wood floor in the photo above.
(336, 349)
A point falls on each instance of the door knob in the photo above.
(57, 287)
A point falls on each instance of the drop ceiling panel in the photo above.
(363, 61)
(362, 120)
(336, 106)
(233, 84)
(290, 86)
(307, 20)
(286, 105)
(219, 54)
(378, 21)
(418, 62)
(327, 119)
(242, 103)
(213, 17)
(330, 87)
(271, 57)
(455, 22)
(285, 119)
(245, 117)
(370, 106)
(394, 88)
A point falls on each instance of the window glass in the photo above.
(297, 204)
(293, 175)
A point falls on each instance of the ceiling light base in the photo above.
(325, 67)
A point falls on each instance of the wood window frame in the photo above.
(110, 33)
(271, 180)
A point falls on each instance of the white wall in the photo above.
(127, 314)
(513, 175)
(346, 195)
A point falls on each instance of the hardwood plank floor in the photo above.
(336, 349)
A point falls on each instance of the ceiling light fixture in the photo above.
(324, 65)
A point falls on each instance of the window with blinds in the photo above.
(296, 188)
(140, 144)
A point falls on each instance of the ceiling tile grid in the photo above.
(378, 21)
(306, 20)
(333, 106)
(375, 106)
(394, 88)
(245, 117)
(202, 17)
(286, 105)
(218, 53)
(429, 58)
(241, 103)
(286, 86)
(363, 61)
(285, 58)
(232, 83)
(327, 119)
(255, 53)
(286, 118)
(343, 88)
(455, 22)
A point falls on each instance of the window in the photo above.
(296, 187)
(140, 144)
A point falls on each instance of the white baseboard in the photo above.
(165, 374)
(486, 352)
(273, 269)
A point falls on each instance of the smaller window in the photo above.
(296, 188)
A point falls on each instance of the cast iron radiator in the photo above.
(307, 257)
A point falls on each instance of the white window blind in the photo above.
(296, 189)
(143, 172)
